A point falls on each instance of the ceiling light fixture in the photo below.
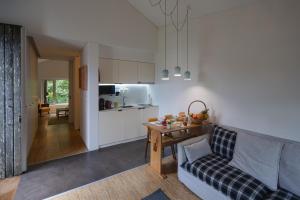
(178, 26)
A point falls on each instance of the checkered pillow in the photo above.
(282, 194)
(223, 142)
(232, 182)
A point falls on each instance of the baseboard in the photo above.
(122, 141)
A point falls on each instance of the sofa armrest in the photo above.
(180, 147)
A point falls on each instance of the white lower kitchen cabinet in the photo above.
(131, 123)
(117, 127)
(110, 127)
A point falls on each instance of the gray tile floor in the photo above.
(53, 177)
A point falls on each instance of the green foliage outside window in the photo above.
(58, 91)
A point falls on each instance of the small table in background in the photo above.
(62, 112)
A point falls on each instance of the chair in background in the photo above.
(43, 107)
(164, 138)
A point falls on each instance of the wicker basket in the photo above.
(192, 120)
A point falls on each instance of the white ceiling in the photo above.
(52, 48)
(198, 7)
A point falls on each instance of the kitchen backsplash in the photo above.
(135, 93)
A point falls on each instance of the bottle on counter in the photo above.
(149, 99)
(116, 104)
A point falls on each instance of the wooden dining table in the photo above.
(162, 136)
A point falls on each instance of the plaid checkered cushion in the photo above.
(282, 194)
(223, 142)
(232, 182)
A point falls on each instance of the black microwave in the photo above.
(107, 89)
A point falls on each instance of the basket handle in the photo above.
(199, 101)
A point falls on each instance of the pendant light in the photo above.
(187, 73)
(177, 69)
(165, 72)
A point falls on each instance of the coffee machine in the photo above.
(101, 104)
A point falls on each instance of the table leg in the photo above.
(156, 152)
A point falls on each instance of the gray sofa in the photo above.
(203, 176)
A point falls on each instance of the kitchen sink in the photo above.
(127, 106)
(144, 104)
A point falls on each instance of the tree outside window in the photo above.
(57, 91)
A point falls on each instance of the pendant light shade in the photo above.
(177, 71)
(187, 75)
(165, 75)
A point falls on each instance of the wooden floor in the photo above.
(8, 188)
(132, 184)
(54, 141)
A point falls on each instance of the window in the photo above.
(56, 91)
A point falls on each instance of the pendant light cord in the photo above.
(187, 39)
(177, 30)
(169, 14)
(165, 35)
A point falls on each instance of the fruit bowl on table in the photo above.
(198, 118)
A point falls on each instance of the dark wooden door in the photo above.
(10, 100)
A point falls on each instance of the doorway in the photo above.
(56, 136)
(56, 95)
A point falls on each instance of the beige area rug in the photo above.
(53, 120)
(133, 184)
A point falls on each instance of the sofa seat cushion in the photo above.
(232, 182)
(282, 194)
(223, 142)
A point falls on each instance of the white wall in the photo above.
(76, 93)
(245, 65)
(53, 70)
(108, 22)
(71, 92)
(31, 93)
(89, 97)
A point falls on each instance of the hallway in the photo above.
(54, 141)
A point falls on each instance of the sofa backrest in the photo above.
(289, 163)
(284, 141)
(209, 129)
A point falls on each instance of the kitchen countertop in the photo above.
(139, 106)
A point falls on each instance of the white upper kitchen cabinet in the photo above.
(109, 70)
(146, 73)
(128, 72)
